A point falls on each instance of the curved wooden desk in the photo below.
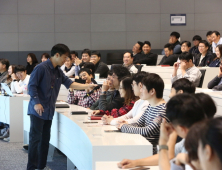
(84, 145)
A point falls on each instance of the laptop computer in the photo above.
(7, 89)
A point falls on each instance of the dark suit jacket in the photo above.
(102, 69)
(205, 61)
(213, 84)
(137, 56)
(148, 59)
(170, 60)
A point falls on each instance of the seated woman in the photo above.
(216, 61)
(44, 57)
(11, 75)
(84, 98)
(31, 63)
(68, 68)
(216, 83)
(125, 91)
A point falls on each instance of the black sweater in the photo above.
(148, 59)
(170, 60)
(30, 68)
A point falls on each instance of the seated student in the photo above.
(196, 40)
(174, 41)
(217, 59)
(86, 53)
(44, 57)
(126, 92)
(31, 63)
(95, 106)
(68, 68)
(209, 148)
(182, 85)
(209, 40)
(128, 63)
(20, 86)
(187, 69)
(147, 57)
(183, 110)
(205, 57)
(137, 50)
(4, 65)
(148, 124)
(139, 107)
(74, 55)
(169, 58)
(116, 100)
(11, 75)
(83, 98)
(100, 67)
(216, 40)
(216, 83)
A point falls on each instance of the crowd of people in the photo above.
(185, 129)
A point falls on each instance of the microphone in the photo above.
(91, 92)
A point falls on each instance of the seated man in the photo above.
(68, 68)
(128, 63)
(22, 85)
(147, 58)
(148, 124)
(84, 98)
(116, 101)
(216, 40)
(196, 40)
(109, 93)
(183, 113)
(169, 58)
(86, 53)
(100, 67)
(209, 40)
(205, 57)
(187, 69)
(174, 41)
(185, 46)
(216, 83)
(137, 49)
(4, 65)
(139, 107)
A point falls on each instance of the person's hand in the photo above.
(76, 77)
(182, 159)
(165, 131)
(105, 86)
(176, 65)
(183, 66)
(14, 77)
(220, 73)
(78, 61)
(127, 163)
(107, 119)
(119, 124)
(95, 112)
(39, 109)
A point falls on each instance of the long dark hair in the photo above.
(9, 78)
(34, 59)
(129, 94)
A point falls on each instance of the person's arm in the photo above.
(70, 72)
(122, 111)
(175, 69)
(77, 68)
(218, 88)
(214, 82)
(95, 105)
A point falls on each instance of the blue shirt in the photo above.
(44, 86)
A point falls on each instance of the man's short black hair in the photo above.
(216, 33)
(154, 81)
(205, 43)
(87, 51)
(61, 49)
(138, 77)
(147, 42)
(96, 53)
(131, 55)
(175, 34)
(209, 33)
(74, 52)
(19, 68)
(185, 85)
(169, 46)
(110, 73)
(120, 71)
(5, 62)
(141, 45)
(197, 37)
(187, 43)
(184, 110)
(186, 56)
(86, 70)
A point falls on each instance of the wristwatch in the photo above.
(163, 147)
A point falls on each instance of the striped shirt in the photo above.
(149, 124)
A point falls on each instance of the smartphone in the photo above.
(112, 131)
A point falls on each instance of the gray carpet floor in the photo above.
(13, 157)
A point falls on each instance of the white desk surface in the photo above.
(113, 166)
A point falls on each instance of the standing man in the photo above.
(44, 86)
